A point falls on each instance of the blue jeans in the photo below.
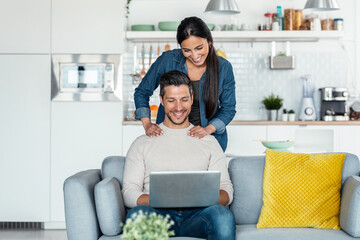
(215, 222)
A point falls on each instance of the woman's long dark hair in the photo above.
(194, 26)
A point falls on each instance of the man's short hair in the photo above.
(174, 78)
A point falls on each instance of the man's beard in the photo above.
(175, 123)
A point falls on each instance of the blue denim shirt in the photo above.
(175, 60)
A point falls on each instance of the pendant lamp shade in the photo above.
(226, 7)
(321, 5)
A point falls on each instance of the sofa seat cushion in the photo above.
(250, 232)
(301, 190)
(109, 206)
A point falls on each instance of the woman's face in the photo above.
(195, 50)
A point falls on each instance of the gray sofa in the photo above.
(94, 205)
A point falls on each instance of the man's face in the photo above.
(177, 103)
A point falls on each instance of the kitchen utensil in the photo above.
(158, 51)
(167, 47)
(150, 54)
(168, 26)
(136, 75)
(142, 27)
(142, 73)
(307, 112)
(278, 145)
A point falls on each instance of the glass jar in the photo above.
(268, 21)
(298, 19)
(289, 19)
(339, 24)
(308, 22)
(327, 24)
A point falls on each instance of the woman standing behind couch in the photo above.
(211, 76)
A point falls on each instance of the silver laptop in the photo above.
(184, 189)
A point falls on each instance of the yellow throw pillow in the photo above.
(301, 190)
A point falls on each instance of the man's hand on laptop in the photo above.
(143, 200)
(223, 198)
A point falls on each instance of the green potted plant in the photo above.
(147, 226)
(284, 115)
(272, 103)
(291, 114)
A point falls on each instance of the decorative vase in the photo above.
(285, 117)
(272, 114)
(292, 117)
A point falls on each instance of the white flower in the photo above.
(147, 227)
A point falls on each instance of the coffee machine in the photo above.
(333, 104)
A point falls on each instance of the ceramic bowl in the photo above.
(142, 27)
(168, 26)
(277, 145)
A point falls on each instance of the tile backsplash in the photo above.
(254, 79)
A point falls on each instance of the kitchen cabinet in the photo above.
(130, 133)
(281, 133)
(348, 139)
(245, 139)
(242, 139)
(307, 138)
(25, 26)
(87, 26)
(82, 135)
(24, 138)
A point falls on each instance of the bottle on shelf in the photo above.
(280, 18)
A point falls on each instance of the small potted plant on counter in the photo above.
(272, 104)
(285, 115)
(291, 114)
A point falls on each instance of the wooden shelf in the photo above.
(240, 36)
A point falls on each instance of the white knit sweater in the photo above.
(172, 151)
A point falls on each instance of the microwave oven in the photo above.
(85, 77)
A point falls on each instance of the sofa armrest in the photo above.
(80, 213)
(350, 207)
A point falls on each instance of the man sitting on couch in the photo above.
(176, 151)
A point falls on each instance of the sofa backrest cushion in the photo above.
(113, 166)
(350, 207)
(246, 173)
